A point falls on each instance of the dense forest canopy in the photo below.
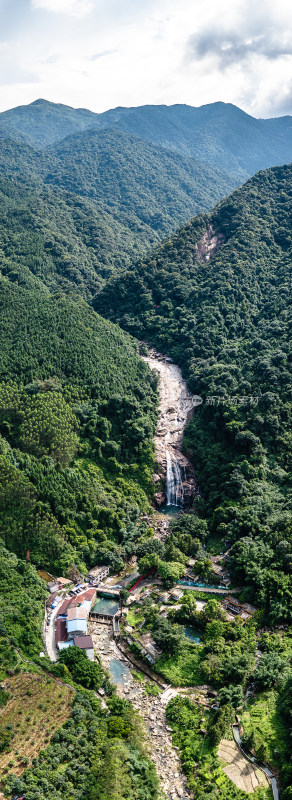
(78, 412)
(82, 197)
(218, 134)
(216, 298)
(74, 221)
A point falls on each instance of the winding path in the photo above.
(266, 770)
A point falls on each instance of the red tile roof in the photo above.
(84, 642)
(61, 631)
(65, 605)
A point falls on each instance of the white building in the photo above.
(76, 622)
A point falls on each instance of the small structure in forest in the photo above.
(97, 574)
(236, 609)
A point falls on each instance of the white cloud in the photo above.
(75, 8)
(103, 53)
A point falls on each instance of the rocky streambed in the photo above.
(175, 410)
(151, 709)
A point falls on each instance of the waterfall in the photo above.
(174, 482)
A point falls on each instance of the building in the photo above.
(85, 643)
(63, 610)
(86, 599)
(176, 594)
(61, 632)
(76, 622)
(97, 574)
(149, 647)
(63, 583)
(236, 609)
(53, 587)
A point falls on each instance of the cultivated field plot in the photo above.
(245, 776)
(37, 706)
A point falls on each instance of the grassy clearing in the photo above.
(134, 618)
(264, 729)
(36, 707)
(182, 669)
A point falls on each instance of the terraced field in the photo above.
(37, 706)
(243, 774)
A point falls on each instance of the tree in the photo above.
(148, 563)
(87, 673)
(269, 670)
(170, 572)
(168, 636)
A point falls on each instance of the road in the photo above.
(50, 642)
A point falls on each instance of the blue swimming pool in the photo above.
(202, 585)
(193, 635)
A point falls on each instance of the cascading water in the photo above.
(176, 407)
(174, 482)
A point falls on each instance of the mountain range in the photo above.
(220, 135)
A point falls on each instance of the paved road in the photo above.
(50, 635)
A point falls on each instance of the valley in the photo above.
(145, 453)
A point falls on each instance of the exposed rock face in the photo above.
(176, 408)
(159, 499)
(209, 245)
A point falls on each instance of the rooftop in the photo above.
(95, 571)
(83, 642)
(77, 613)
(61, 631)
(65, 605)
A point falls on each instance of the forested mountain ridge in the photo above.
(218, 134)
(75, 214)
(76, 430)
(216, 297)
(41, 123)
(151, 186)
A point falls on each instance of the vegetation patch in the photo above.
(37, 706)
(197, 733)
(183, 668)
(96, 755)
(265, 731)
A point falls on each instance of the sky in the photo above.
(99, 54)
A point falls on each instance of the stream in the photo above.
(175, 411)
(176, 474)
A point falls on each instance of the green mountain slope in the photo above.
(65, 240)
(218, 134)
(77, 415)
(216, 297)
(41, 123)
(74, 220)
(150, 188)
